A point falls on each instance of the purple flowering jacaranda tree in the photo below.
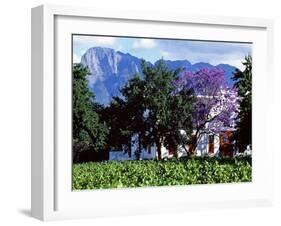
(216, 104)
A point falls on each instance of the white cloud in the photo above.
(165, 54)
(234, 59)
(144, 44)
(235, 62)
(81, 43)
(210, 52)
(106, 40)
(92, 41)
(76, 58)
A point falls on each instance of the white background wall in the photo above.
(15, 112)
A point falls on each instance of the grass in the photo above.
(195, 170)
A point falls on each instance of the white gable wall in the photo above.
(202, 149)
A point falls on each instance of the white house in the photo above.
(208, 145)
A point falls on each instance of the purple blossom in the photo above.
(216, 104)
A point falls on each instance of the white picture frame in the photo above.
(52, 197)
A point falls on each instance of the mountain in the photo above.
(176, 64)
(111, 69)
(228, 72)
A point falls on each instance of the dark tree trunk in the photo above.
(186, 150)
(158, 146)
(139, 144)
(130, 149)
(193, 145)
(149, 149)
(192, 148)
(194, 142)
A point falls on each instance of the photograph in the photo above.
(152, 111)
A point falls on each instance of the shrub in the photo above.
(196, 170)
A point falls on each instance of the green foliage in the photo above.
(135, 107)
(168, 111)
(195, 170)
(244, 86)
(151, 108)
(124, 116)
(116, 117)
(88, 130)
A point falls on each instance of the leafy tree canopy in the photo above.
(244, 85)
(216, 104)
(87, 126)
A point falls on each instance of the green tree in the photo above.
(87, 126)
(180, 125)
(135, 108)
(151, 110)
(168, 111)
(244, 85)
(125, 117)
(120, 133)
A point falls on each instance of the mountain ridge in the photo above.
(111, 69)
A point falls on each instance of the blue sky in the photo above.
(154, 49)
